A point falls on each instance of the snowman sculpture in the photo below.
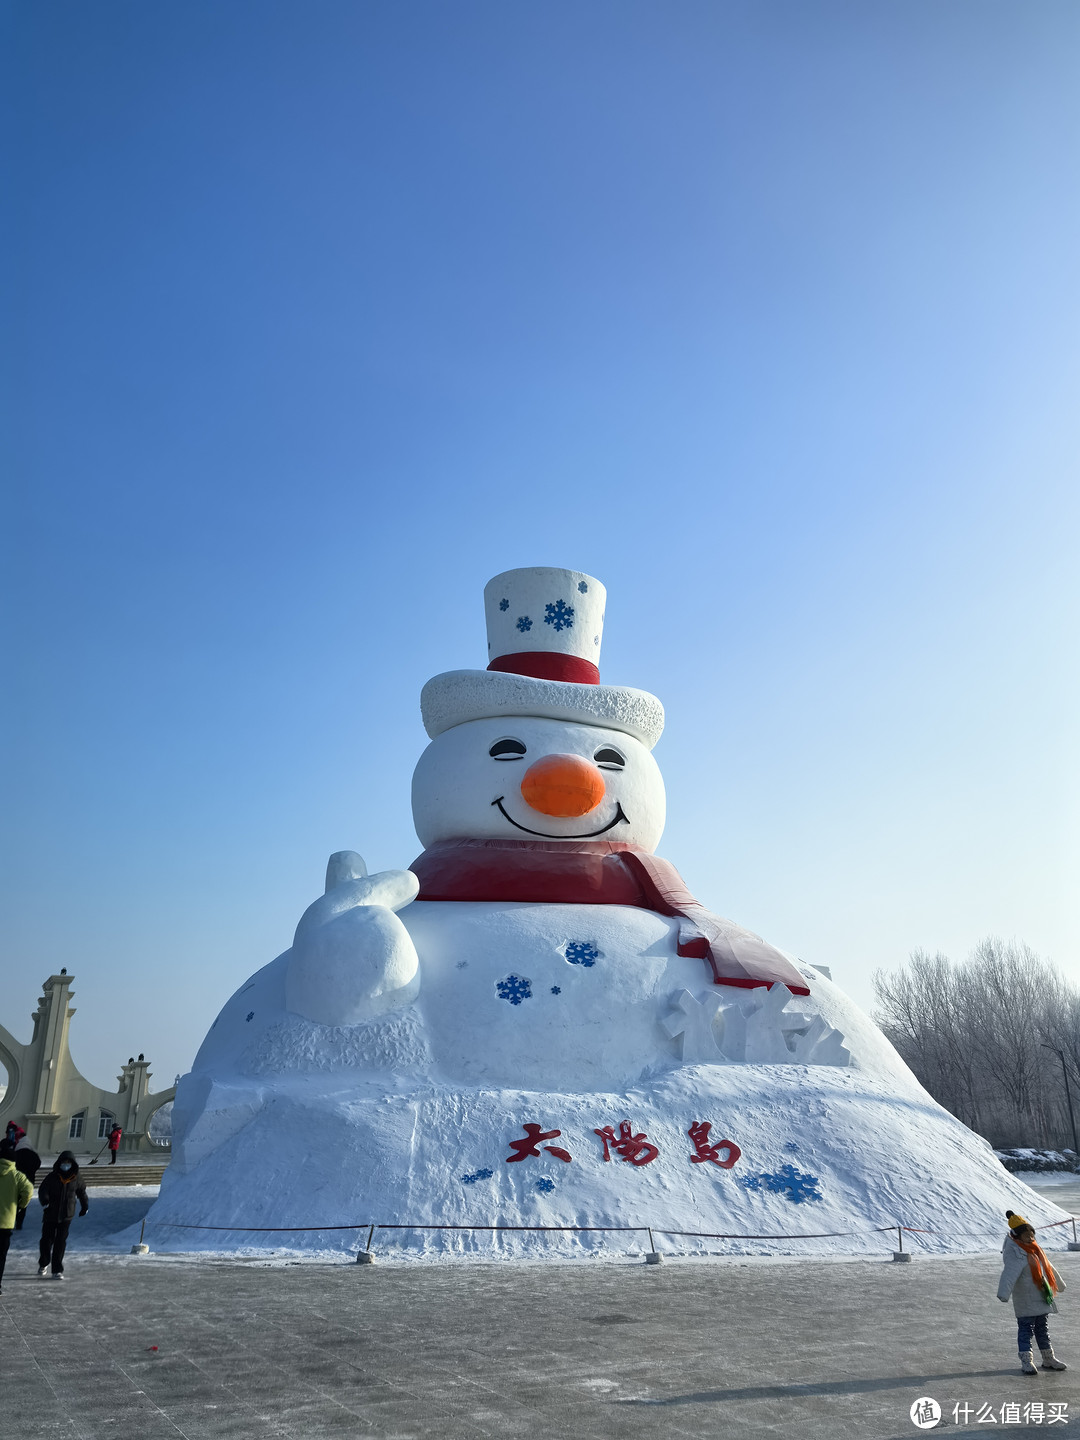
(537, 1024)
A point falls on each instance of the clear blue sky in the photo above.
(320, 314)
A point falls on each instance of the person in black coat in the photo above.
(61, 1191)
(27, 1162)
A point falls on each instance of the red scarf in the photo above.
(601, 872)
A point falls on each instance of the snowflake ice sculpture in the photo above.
(794, 1185)
(581, 952)
(693, 1025)
(820, 1044)
(514, 988)
(560, 615)
(755, 1028)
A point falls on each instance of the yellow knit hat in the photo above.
(1015, 1221)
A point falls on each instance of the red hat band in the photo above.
(548, 665)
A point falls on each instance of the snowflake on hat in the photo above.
(560, 615)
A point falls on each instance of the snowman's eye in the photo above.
(507, 750)
(609, 759)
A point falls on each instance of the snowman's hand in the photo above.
(352, 958)
(344, 865)
(349, 886)
(392, 889)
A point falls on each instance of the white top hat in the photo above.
(544, 632)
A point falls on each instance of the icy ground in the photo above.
(207, 1346)
(156, 1349)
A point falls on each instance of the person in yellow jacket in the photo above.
(16, 1192)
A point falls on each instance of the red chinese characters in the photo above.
(638, 1149)
(529, 1144)
(706, 1150)
(624, 1144)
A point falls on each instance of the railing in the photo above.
(652, 1256)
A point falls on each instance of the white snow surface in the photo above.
(407, 1120)
(460, 696)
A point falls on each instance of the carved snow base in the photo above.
(755, 1028)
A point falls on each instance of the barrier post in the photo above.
(653, 1257)
(1073, 1243)
(365, 1257)
(140, 1248)
(900, 1255)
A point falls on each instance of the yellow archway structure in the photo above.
(57, 1106)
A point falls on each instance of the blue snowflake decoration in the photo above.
(514, 988)
(545, 1185)
(582, 587)
(794, 1185)
(250, 1015)
(559, 615)
(524, 623)
(476, 1175)
(581, 952)
(556, 989)
(790, 1145)
(504, 604)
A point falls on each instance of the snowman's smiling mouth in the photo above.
(620, 819)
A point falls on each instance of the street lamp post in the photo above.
(1068, 1096)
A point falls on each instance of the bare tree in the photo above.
(974, 1033)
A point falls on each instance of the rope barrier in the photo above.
(573, 1229)
(262, 1229)
(824, 1235)
(568, 1229)
(578, 1230)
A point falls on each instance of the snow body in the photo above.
(408, 1118)
(352, 1125)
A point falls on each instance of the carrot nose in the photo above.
(563, 785)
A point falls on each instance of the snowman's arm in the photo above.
(352, 959)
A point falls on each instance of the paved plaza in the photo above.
(597, 1349)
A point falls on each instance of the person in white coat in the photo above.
(1031, 1282)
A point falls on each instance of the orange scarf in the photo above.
(1041, 1270)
